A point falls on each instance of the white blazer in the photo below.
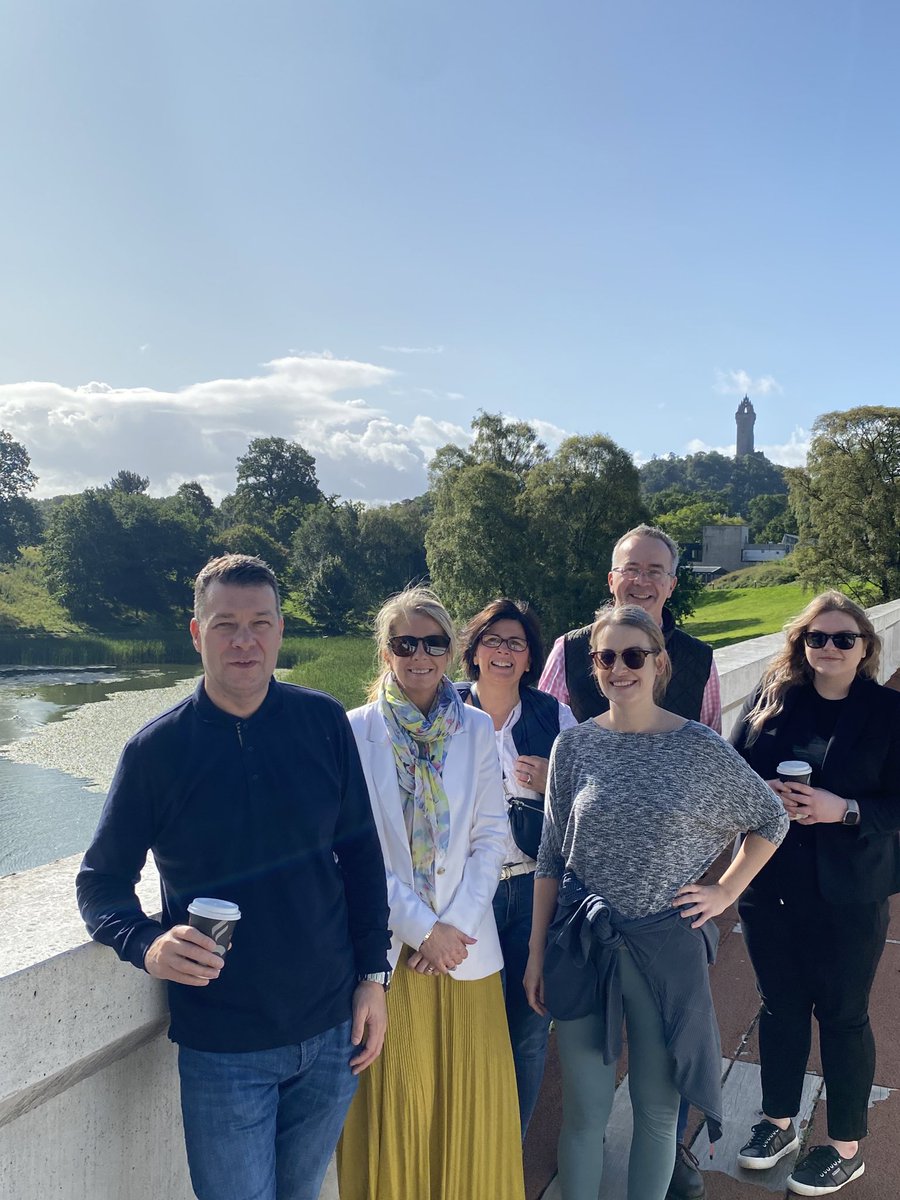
(466, 876)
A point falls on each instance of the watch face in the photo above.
(851, 817)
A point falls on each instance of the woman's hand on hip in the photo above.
(533, 983)
(699, 902)
(531, 772)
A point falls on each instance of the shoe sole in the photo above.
(763, 1164)
(807, 1189)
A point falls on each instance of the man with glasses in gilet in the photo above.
(644, 572)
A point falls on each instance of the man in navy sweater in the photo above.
(251, 791)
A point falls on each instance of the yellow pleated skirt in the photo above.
(436, 1117)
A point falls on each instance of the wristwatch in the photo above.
(851, 816)
(382, 977)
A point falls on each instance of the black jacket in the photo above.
(862, 762)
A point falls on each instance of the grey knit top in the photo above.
(636, 816)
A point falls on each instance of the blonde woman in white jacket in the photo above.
(438, 1118)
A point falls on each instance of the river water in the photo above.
(61, 731)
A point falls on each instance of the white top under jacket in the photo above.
(466, 876)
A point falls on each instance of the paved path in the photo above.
(737, 1006)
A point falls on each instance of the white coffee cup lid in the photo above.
(793, 766)
(214, 910)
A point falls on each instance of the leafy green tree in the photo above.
(770, 518)
(276, 480)
(686, 524)
(17, 521)
(82, 553)
(847, 503)
(251, 539)
(392, 546)
(330, 595)
(190, 497)
(577, 505)
(753, 475)
(498, 442)
(477, 545)
(129, 482)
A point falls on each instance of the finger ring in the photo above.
(528, 778)
(429, 970)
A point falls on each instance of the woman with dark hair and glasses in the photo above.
(815, 919)
(503, 655)
(438, 1118)
(640, 803)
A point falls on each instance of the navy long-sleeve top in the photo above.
(269, 811)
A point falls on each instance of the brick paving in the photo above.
(737, 1006)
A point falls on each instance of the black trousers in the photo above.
(815, 958)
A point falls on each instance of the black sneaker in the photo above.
(687, 1181)
(823, 1171)
(767, 1146)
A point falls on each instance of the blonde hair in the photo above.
(402, 605)
(635, 617)
(789, 668)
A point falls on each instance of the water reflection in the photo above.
(46, 814)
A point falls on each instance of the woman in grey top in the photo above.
(640, 802)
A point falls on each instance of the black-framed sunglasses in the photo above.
(633, 657)
(406, 645)
(817, 639)
(493, 641)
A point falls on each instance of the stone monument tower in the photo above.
(745, 418)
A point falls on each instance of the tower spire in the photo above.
(745, 419)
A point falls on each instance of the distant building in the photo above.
(745, 419)
(729, 547)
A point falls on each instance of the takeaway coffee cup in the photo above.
(215, 918)
(794, 771)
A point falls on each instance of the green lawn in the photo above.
(341, 666)
(724, 617)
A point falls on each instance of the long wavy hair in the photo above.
(789, 668)
(420, 600)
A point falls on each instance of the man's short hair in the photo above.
(653, 532)
(245, 570)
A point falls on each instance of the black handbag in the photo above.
(526, 820)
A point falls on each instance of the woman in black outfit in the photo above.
(815, 918)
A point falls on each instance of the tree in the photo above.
(847, 503)
(770, 518)
(477, 544)
(578, 504)
(392, 546)
(82, 549)
(331, 596)
(251, 539)
(129, 482)
(275, 474)
(686, 524)
(190, 497)
(754, 475)
(498, 442)
(17, 523)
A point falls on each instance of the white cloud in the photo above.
(739, 383)
(80, 436)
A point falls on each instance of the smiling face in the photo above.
(643, 554)
(502, 664)
(834, 670)
(238, 635)
(625, 685)
(420, 675)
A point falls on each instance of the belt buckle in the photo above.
(505, 873)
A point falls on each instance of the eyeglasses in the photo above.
(633, 574)
(633, 657)
(492, 641)
(817, 639)
(406, 645)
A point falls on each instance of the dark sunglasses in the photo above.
(406, 645)
(816, 639)
(633, 657)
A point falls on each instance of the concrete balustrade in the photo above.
(88, 1084)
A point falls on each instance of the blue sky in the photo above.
(356, 222)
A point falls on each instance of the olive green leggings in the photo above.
(588, 1090)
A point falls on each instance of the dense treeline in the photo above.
(501, 516)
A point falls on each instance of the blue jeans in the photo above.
(263, 1124)
(527, 1029)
